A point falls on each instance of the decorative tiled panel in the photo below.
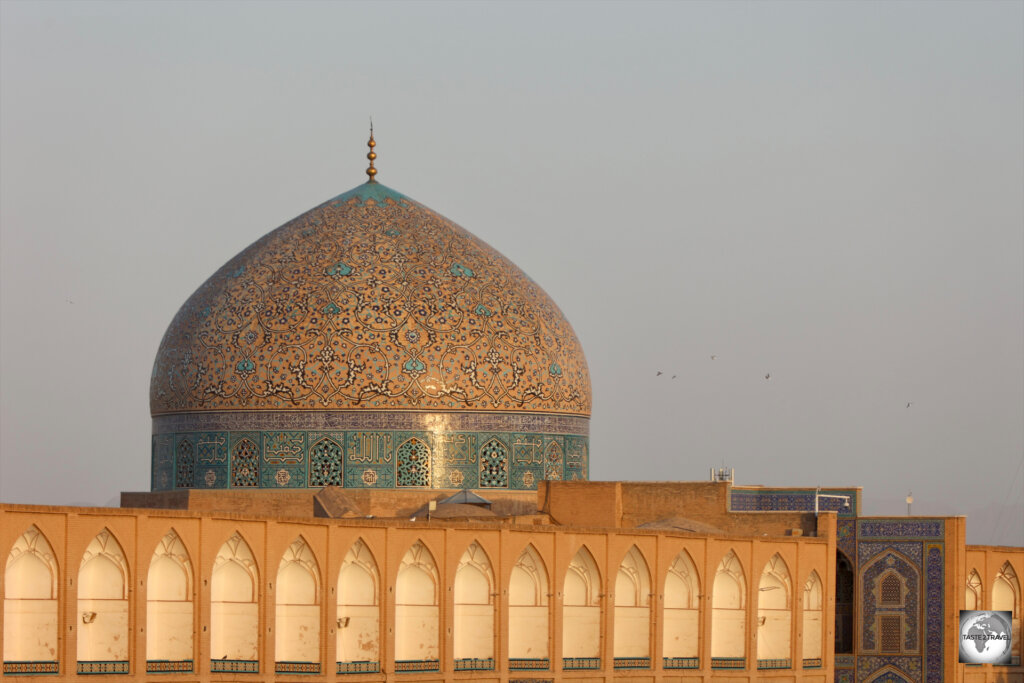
(812, 663)
(792, 500)
(361, 667)
(416, 665)
(297, 667)
(475, 664)
(896, 528)
(581, 663)
(933, 607)
(99, 668)
(31, 668)
(846, 538)
(234, 666)
(522, 664)
(844, 675)
(157, 666)
(774, 664)
(728, 663)
(681, 663)
(380, 458)
(632, 663)
(878, 560)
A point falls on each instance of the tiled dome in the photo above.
(368, 304)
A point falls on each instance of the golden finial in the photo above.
(371, 171)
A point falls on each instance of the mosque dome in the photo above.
(369, 342)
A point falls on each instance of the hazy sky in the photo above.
(832, 193)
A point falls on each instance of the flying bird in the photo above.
(713, 357)
(659, 374)
(673, 376)
(768, 375)
(910, 403)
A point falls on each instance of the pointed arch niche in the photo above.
(633, 609)
(973, 591)
(774, 606)
(581, 613)
(812, 644)
(1006, 597)
(297, 615)
(169, 607)
(358, 639)
(234, 610)
(474, 611)
(103, 606)
(681, 645)
(30, 606)
(728, 611)
(417, 591)
(528, 607)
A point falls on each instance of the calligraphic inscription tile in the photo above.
(211, 449)
(284, 448)
(900, 528)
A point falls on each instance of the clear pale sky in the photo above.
(829, 193)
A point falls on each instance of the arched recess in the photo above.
(973, 594)
(633, 607)
(581, 609)
(844, 605)
(30, 605)
(1006, 597)
(169, 607)
(528, 607)
(358, 610)
(417, 590)
(234, 607)
(774, 609)
(728, 610)
(474, 608)
(103, 606)
(298, 609)
(682, 611)
(813, 600)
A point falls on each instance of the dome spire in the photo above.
(371, 171)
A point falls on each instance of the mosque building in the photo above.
(370, 462)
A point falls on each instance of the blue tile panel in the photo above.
(102, 668)
(774, 664)
(361, 667)
(682, 662)
(475, 664)
(423, 457)
(728, 663)
(416, 665)
(297, 667)
(31, 668)
(792, 500)
(632, 663)
(581, 663)
(157, 666)
(914, 549)
(234, 666)
(522, 664)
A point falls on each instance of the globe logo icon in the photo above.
(985, 637)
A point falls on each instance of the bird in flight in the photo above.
(713, 357)
(768, 375)
(673, 376)
(659, 374)
(910, 403)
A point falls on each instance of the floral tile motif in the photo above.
(370, 301)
